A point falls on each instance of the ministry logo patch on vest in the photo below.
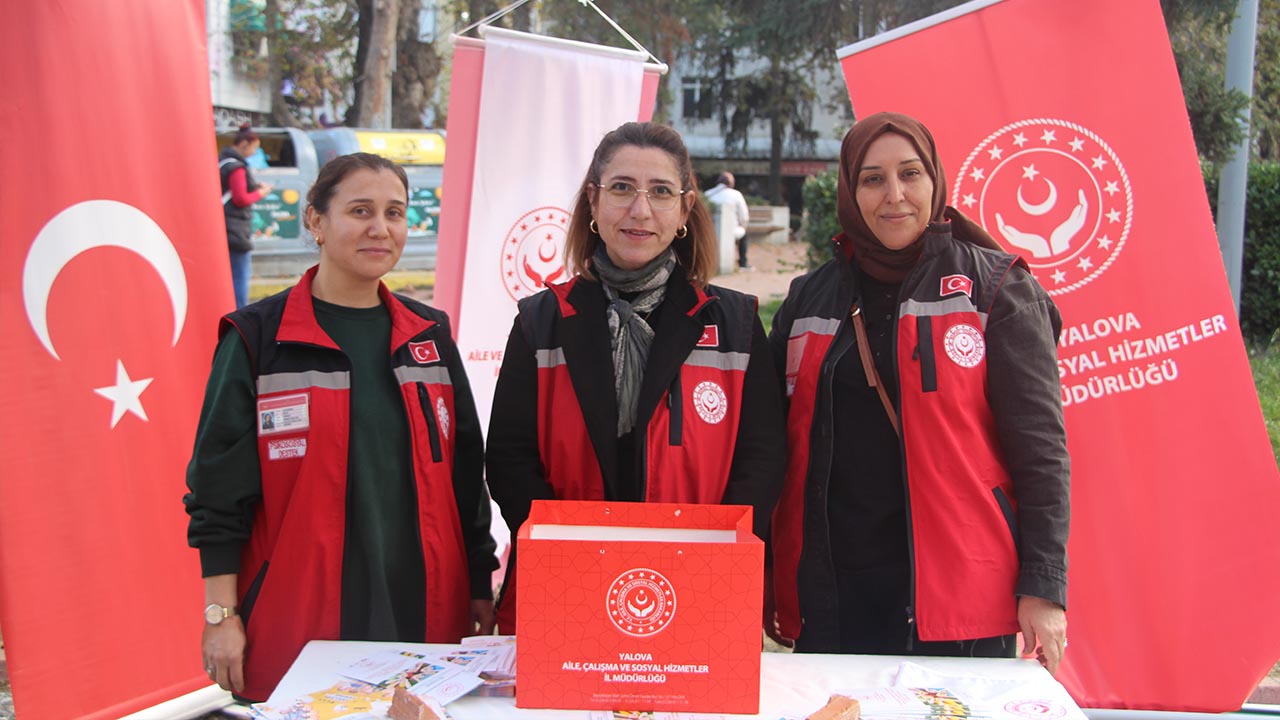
(964, 345)
(442, 413)
(710, 402)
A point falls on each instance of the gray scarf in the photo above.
(629, 335)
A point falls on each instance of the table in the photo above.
(790, 685)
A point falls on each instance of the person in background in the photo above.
(722, 194)
(336, 485)
(635, 380)
(239, 192)
(927, 498)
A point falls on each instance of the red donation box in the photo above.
(639, 606)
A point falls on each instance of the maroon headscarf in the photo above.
(873, 258)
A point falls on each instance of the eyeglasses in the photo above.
(623, 194)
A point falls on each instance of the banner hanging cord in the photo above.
(498, 14)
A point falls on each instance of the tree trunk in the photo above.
(373, 85)
(364, 27)
(777, 133)
(417, 68)
(280, 114)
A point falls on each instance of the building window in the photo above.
(696, 95)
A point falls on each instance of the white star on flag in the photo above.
(1076, 145)
(1098, 162)
(1030, 172)
(995, 152)
(125, 395)
(1059, 277)
(978, 174)
(1049, 136)
(1085, 264)
(1114, 216)
(1111, 188)
(968, 200)
(1020, 139)
(1104, 242)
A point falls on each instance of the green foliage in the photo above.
(1198, 31)
(820, 220)
(1265, 361)
(1260, 274)
(770, 308)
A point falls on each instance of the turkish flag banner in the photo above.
(115, 271)
(646, 606)
(1062, 129)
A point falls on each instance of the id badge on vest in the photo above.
(284, 414)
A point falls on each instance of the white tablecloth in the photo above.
(790, 685)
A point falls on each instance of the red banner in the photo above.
(114, 272)
(1062, 129)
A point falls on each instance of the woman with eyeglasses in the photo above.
(635, 380)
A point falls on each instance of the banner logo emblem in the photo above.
(1053, 192)
(954, 284)
(964, 345)
(641, 602)
(533, 251)
(442, 413)
(424, 352)
(710, 402)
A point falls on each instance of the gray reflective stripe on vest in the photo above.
(815, 325)
(550, 358)
(948, 306)
(718, 360)
(285, 382)
(438, 375)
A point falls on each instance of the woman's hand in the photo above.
(1044, 629)
(482, 616)
(222, 646)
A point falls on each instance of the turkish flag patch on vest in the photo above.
(710, 337)
(425, 352)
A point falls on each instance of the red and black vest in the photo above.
(689, 437)
(964, 571)
(290, 585)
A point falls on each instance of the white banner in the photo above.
(544, 105)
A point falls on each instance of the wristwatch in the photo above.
(215, 613)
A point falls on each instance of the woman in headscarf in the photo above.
(926, 505)
(636, 380)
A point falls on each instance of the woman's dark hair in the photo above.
(695, 251)
(245, 134)
(337, 170)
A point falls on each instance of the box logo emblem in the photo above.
(641, 602)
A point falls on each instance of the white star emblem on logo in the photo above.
(1098, 163)
(968, 200)
(1059, 276)
(1114, 216)
(1030, 172)
(1076, 145)
(1020, 139)
(995, 153)
(125, 395)
(1104, 242)
(1085, 264)
(978, 174)
(1049, 136)
(1111, 188)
